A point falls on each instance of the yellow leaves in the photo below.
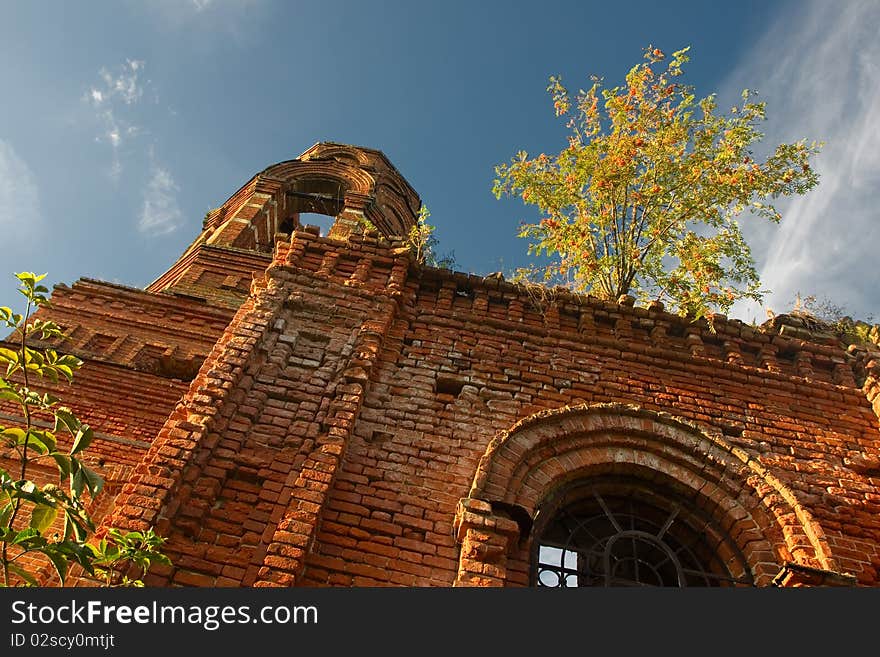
(643, 159)
(561, 107)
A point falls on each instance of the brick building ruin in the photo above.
(290, 408)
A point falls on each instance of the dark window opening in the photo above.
(787, 356)
(620, 532)
(286, 226)
(447, 385)
(315, 202)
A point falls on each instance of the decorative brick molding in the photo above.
(539, 454)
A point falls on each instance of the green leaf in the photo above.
(73, 529)
(5, 514)
(45, 438)
(77, 479)
(81, 553)
(82, 440)
(8, 394)
(42, 517)
(49, 400)
(23, 536)
(93, 480)
(15, 434)
(49, 372)
(59, 561)
(8, 355)
(64, 418)
(63, 463)
(21, 572)
(27, 277)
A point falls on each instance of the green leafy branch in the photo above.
(28, 511)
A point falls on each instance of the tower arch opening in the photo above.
(313, 201)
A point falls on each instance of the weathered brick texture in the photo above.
(296, 409)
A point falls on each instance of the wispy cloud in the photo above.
(20, 214)
(160, 213)
(124, 85)
(112, 101)
(819, 72)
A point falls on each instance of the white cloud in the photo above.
(19, 196)
(113, 101)
(160, 213)
(819, 72)
(124, 85)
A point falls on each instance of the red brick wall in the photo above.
(338, 459)
(337, 415)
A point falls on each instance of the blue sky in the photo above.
(123, 122)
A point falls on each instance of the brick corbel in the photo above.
(486, 538)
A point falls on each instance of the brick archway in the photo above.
(545, 452)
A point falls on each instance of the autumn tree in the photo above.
(645, 197)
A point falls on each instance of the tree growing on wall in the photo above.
(645, 196)
(51, 522)
(423, 244)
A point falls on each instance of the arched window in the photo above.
(617, 495)
(627, 532)
(315, 201)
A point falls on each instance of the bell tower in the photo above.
(354, 186)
